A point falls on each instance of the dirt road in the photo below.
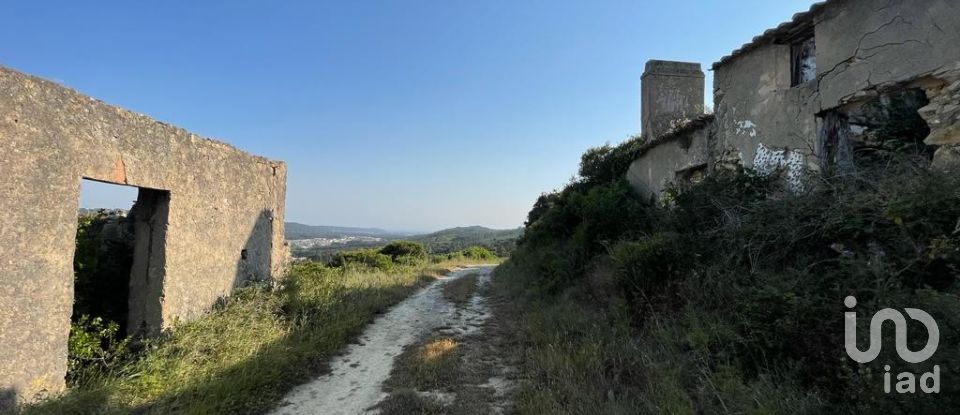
(354, 384)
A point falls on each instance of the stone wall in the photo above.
(943, 116)
(769, 120)
(679, 155)
(670, 92)
(757, 108)
(221, 213)
(863, 48)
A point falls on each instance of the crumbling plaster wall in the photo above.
(660, 164)
(222, 201)
(863, 47)
(865, 44)
(670, 93)
(755, 105)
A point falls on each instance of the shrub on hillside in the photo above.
(94, 347)
(362, 257)
(407, 252)
(649, 268)
(769, 267)
(607, 163)
(473, 253)
(478, 253)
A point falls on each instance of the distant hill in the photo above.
(293, 231)
(501, 241)
(320, 242)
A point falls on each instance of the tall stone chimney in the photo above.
(669, 91)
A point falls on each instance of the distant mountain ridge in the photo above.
(501, 241)
(294, 230)
(317, 241)
(471, 231)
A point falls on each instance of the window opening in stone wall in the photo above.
(874, 130)
(803, 60)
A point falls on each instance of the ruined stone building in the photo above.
(208, 218)
(807, 95)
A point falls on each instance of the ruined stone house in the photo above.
(807, 95)
(208, 218)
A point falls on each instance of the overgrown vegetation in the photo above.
(728, 297)
(473, 254)
(430, 365)
(407, 253)
(498, 241)
(101, 263)
(244, 355)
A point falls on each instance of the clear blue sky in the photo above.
(407, 115)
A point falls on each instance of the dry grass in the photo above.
(246, 354)
(437, 349)
(433, 364)
(460, 290)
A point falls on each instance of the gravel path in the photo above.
(353, 384)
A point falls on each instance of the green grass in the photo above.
(408, 401)
(244, 355)
(577, 359)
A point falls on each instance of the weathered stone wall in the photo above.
(670, 92)
(943, 116)
(755, 105)
(866, 44)
(223, 205)
(863, 48)
(672, 158)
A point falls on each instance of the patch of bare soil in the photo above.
(459, 368)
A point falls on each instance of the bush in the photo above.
(95, 346)
(478, 253)
(407, 252)
(362, 257)
(101, 263)
(764, 270)
(649, 268)
(606, 164)
(473, 253)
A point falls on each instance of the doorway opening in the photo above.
(119, 264)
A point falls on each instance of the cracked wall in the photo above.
(756, 104)
(672, 159)
(766, 120)
(222, 201)
(863, 48)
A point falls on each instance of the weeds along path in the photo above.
(461, 367)
(354, 383)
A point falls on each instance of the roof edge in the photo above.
(785, 28)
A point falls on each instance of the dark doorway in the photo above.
(119, 258)
(870, 132)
